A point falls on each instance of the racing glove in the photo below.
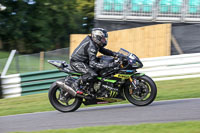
(116, 54)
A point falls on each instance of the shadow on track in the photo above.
(131, 106)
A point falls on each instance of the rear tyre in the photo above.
(63, 101)
(144, 95)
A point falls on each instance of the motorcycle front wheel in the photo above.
(63, 101)
(144, 94)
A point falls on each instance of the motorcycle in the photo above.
(112, 85)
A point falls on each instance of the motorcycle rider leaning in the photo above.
(84, 60)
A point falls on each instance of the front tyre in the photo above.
(63, 101)
(144, 94)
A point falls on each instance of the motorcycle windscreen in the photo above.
(124, 52)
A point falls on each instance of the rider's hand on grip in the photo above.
(116, 54)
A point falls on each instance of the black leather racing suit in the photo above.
(84, 60)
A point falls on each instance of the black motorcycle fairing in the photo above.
(106, 72)
(129, 60)
(106, 59)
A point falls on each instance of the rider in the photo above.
(84, 60)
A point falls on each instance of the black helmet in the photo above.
(99, 36)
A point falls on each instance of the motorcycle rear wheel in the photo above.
(62, 101)
(145, 95)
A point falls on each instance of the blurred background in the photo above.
(32, 26)
(184, 15)
(51, 29)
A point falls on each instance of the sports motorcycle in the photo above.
(112, 84)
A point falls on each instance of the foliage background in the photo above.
(38, 25)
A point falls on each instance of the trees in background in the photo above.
(34, 25)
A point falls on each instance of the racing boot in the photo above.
(76, 86)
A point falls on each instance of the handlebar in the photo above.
(120, 59)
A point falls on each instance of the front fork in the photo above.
(134, 82)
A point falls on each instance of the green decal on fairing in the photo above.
(76, 73)
(107, 80)
(113, 93)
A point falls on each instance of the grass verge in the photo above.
(172, 89)
(4, 54)
(175, 127)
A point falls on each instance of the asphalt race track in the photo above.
(125, 114)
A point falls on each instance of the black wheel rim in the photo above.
(63, 98)
(143, 91)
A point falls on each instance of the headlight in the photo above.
(136, 64)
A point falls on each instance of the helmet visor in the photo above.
(104, 41)
(105, 34)
(105, 38)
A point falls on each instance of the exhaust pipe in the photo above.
(66, 88)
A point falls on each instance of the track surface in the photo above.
(162, 111)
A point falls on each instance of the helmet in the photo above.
(100, 36)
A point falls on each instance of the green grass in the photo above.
(25, 104)
(172, 89)
(28, 63)
(4, 54)
(173, 127)
(3, 58)
(178, 89)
